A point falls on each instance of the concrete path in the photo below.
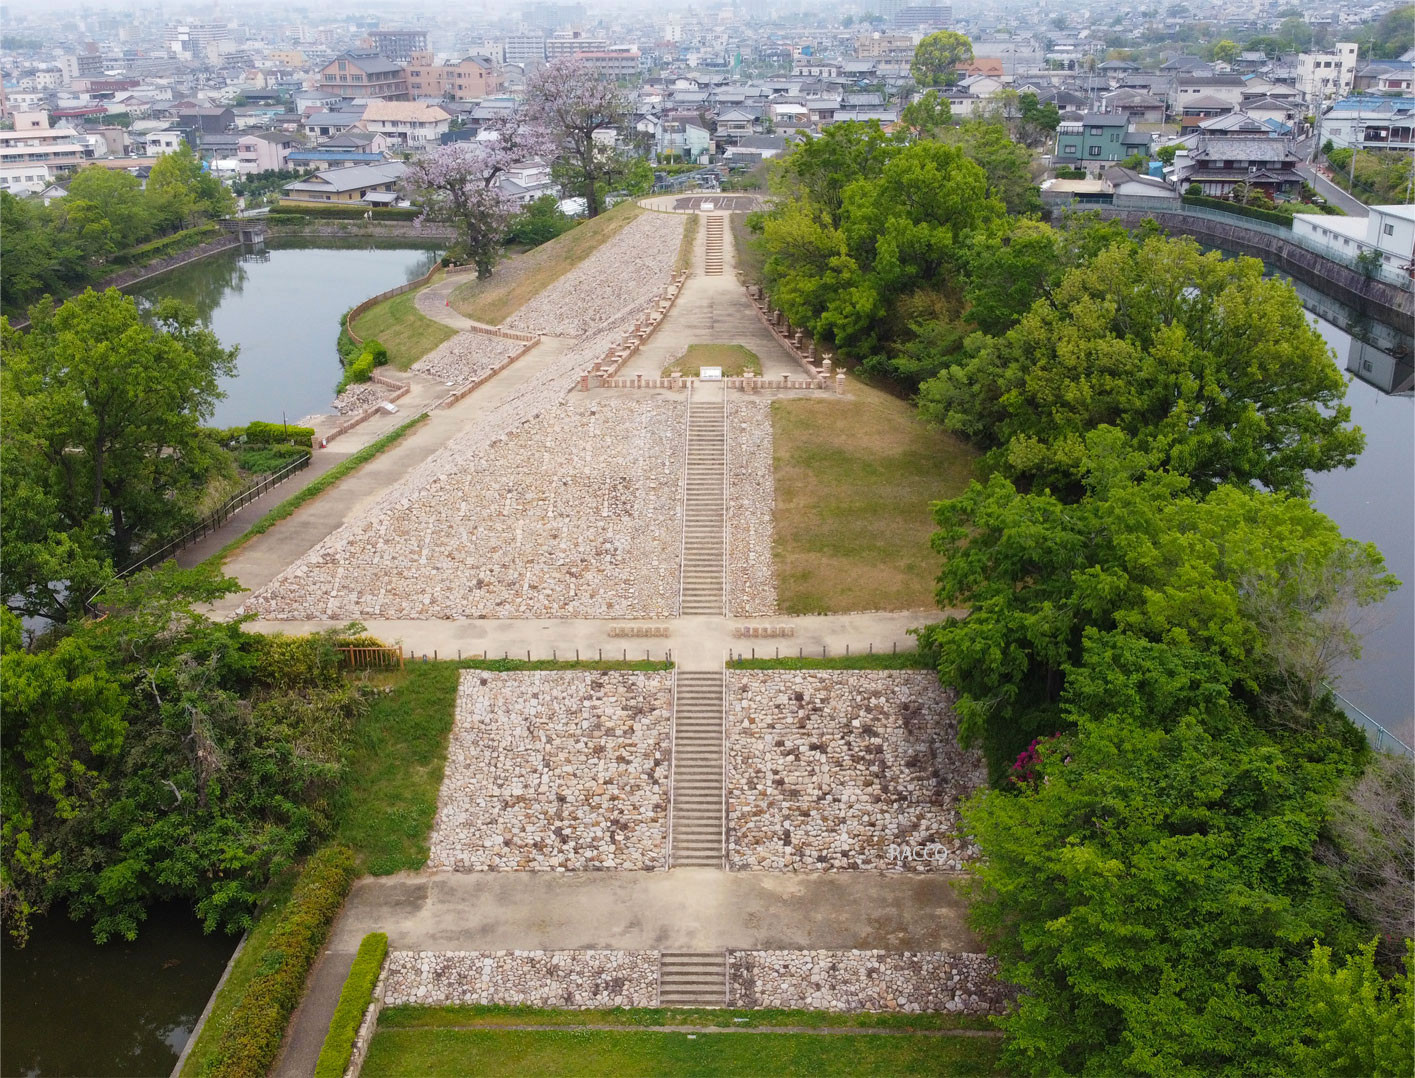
(309, 1025)
(433, 301)
(696, 643)
(684, 909)
(711, 309)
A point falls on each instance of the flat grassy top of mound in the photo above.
(521, 277)
(854, 481)
(734, 359)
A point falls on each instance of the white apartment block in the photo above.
(1389, 231)
(1324, 75)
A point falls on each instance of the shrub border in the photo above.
(353, 1003)
(251, 1040)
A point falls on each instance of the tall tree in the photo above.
(571, 101)
(460, 184)
(118, 197)
(182, 192)
(927, 114)
(103, 423)
(1209, 368)
(938, 56)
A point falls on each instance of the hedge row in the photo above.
(357, 210)
(167, 245)
(353, 1002)
(252, 1038)
(258, 432)
(1271, 216)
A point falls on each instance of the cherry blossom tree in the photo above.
(570, 101)
(460, 184)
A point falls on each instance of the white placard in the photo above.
(710, 374)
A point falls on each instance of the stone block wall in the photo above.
(751, 505)
(837, 769)
(575, 979)
(556, 770)
(908, 981)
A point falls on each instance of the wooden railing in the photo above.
(376, 657)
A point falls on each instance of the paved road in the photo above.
(1332, 193)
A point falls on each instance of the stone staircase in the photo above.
(696, 804)
(704, 504)
(692, 979)
(712, 261)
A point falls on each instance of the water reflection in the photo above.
(281, 307)
(70, 1007)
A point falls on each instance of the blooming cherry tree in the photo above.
(570, 102)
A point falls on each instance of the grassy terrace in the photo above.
(854, 481)
(518, 279)
(402, 329)
(495, 1040)
(734, 359)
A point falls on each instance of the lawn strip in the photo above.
(399, 326)
(413, 1017)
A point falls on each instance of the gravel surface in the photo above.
(465, 357)
(628, 270)
(751, 506)
(556, 770)
(845, 769)
(531, 978)
(360, 397)
(908, 981)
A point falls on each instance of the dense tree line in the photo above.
(60, 247)
(1191, 861)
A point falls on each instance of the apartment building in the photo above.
(471, 78)
(365, 74)
(33, 142)
(399, 45)
(1324, 75)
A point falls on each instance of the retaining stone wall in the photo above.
(556, 770)
(574, 979)
(908, 981)
(829, 769)
(751, 505)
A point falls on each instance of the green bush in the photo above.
(167, 245)
(361, 370)
(280, 217)
(1275, 217)
(375, 349)
(263, 459)
(353, 212)
(262, 433)
(353, 1002)
(252, 1038)
(1071, 174)
(349, 349)
(1193, 191)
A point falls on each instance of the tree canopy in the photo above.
(938, 56)
(1208, 368)
(571, 101)
(102, 444)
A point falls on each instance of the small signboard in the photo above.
(710, 374)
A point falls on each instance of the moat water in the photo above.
(70, 1007)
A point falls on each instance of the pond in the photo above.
(282, 307)
(72, 1008)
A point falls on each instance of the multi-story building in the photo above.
(1098, 138)
(83, 65)
(262, 151)
(1388, 232)
(524, 48)
(925, 17)
(569, 42)
(365, 74)
(1324, 75)
(1371, 123)
(468, 79)
(399, 45)
(190, 39)
(24, 178)
(411, 124)
(885, 47)
(620, 63)
(34, 142)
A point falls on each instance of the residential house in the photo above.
(1097, 138)
(1199, 109)
(1190, 89)
(1269, 110)
(24, 178)
(1371, 123)
(1324, 75)
(349, 185)
(1136, 105)
(682, 138)
(165, 140)
(1219, 162)
(263, 151)
(211, 121)
(735, 123)
(365, 74)
(1385, 77)
(413, 124)
(526, 181)
(468, 79)
(760, 147)
(1131, 184)
(1388, 232)
(322, 125)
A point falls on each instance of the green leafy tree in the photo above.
(1225, 51)
(1390, 36)
(1034, 572)
(1148, 884)
(155, 754)
(1209, 369)
(103, 434)
(927, 114)
(182, 193)
(118, 198)
(1354, 1021)
(818, 170)
(938, 56)
(1006, 164)
(539, 222)
(1294, 35)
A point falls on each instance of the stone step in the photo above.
(692, 979)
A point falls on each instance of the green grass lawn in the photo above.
(854, 481)
(750, 260)
(398, 1052)
(518, 279)
(400, 327)
(497, 1016)
(734, 359)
